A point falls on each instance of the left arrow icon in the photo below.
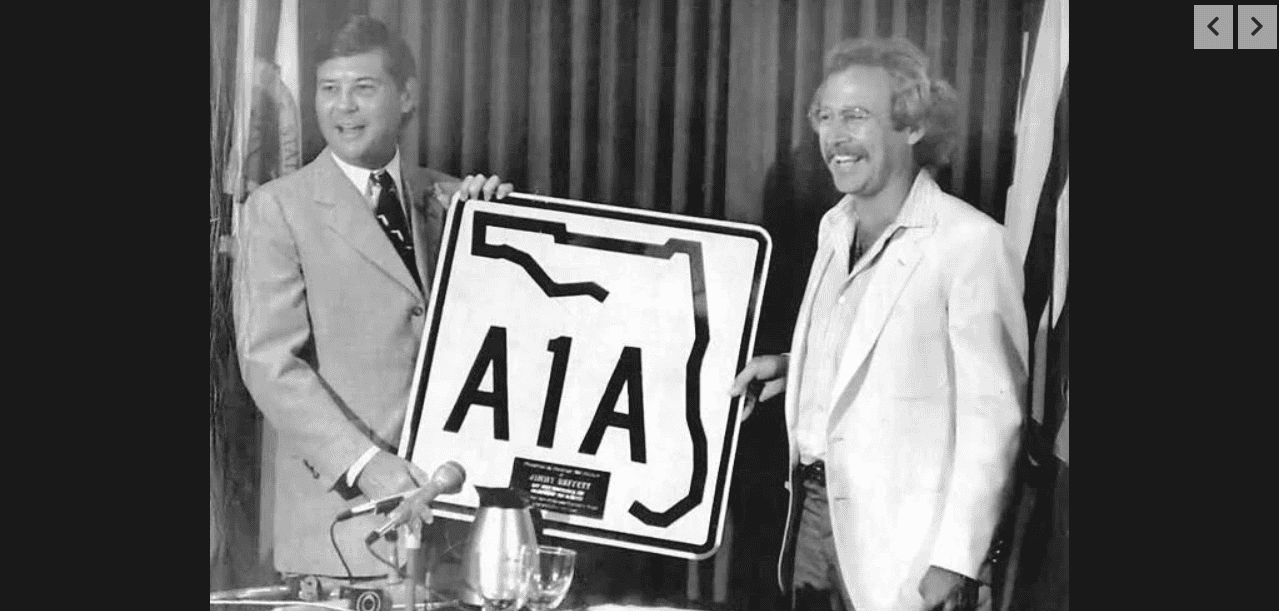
(1214, 30)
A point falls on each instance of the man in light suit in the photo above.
(333, 272)
(907, 367)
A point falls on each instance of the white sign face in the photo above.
(583, 354)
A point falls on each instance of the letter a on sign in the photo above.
(583, 354)
(492, 352)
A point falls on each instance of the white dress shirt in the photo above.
(839, 293)
(360, 177)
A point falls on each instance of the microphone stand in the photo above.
(413, 547)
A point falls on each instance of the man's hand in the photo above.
(763, 378)
(947, 590)
(477, 186)
(389, 474)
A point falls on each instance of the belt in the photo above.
(813, 472)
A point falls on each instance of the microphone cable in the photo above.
(333, 538)
(390, 537)
(449, 547)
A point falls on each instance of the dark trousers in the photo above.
(816, 583)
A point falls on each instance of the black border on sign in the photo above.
(759, 235)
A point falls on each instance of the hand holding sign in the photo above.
(763, 378)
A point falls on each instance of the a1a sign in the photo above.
(584, 354)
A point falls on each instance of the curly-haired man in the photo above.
(907, 367)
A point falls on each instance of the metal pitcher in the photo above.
(503, 524)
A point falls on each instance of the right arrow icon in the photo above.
(1254, 20)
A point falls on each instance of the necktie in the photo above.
(390, 215)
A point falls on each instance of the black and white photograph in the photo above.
(639, 305)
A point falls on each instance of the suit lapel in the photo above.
(418, 204)
(888, 281)
(349, 215)
(900, 259)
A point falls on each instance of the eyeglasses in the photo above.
(850, 117)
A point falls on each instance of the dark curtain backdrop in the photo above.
(689, 107)
(667, 105)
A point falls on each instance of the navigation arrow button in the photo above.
(1255, 26)
(1217, 27)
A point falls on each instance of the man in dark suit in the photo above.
(333, 272)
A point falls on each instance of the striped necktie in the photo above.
(390, 215)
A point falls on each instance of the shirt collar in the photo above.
(913, 213)
(360, 176)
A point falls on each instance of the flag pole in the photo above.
(245, 54)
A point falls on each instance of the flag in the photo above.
(1035, 574)
(266, 143)
(1037, 214)
(267, 130)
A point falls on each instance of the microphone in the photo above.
(381, 505)
(447, 479)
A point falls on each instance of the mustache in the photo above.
(844, 148)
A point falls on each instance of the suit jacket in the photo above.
(927, 401)
(328, 323)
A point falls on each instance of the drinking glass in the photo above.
(504, 580)
(550, 577)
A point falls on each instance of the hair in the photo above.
(362, 34)
(918, 99)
